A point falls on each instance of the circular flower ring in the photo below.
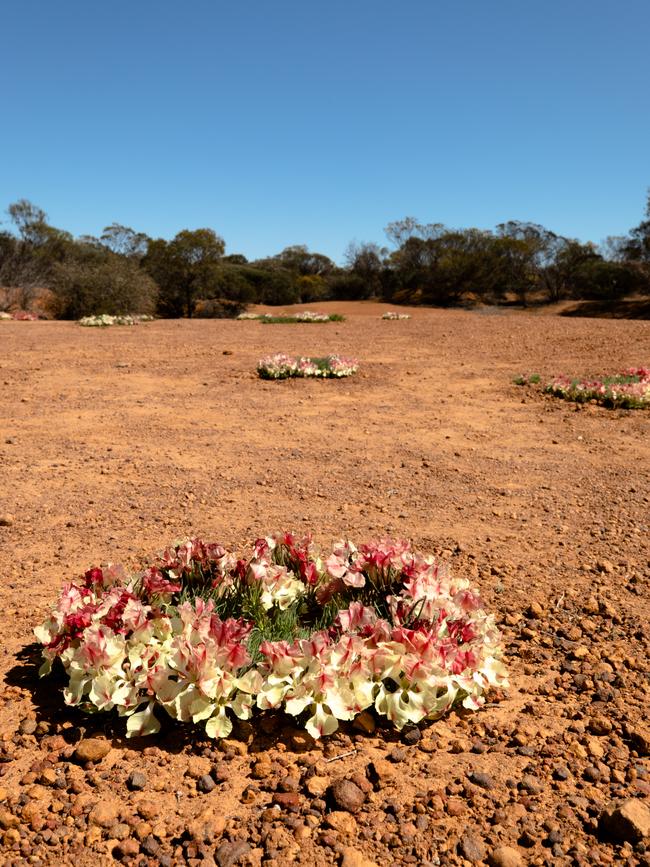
(203, 635)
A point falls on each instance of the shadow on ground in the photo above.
(630, 309)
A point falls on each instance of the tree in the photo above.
(29, 220)
(366, 263)
(184, 268)
(124, 240)
(637, 248)
(98, 284)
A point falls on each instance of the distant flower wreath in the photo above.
(204, 635)
(281, 366)
(627, 390)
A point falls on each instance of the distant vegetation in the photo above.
(126, 272)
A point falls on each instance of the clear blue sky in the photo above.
(320, 121)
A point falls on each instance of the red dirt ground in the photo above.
(115, 442)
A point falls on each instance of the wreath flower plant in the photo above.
(204, 636)
(105, 320)
(627, 390)
(282, 366)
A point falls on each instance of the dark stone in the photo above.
(136, 781)
(482, 779)
(472, 847)
(346, 795)
(411, 736)
(397, 755)
(229, 854)
(205, 783)
(150, 846)
(531, 784)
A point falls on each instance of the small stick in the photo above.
(342, 756)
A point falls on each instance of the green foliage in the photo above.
(429, 264)
(293, 320)
(103, 284)
(527, 379)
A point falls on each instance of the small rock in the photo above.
(8, 820)
(262, 769)
(472, 847)
(535, 611)
(229, 854)
(640, 738)
(482, 779)
(128, 848)
(342, 822)
(627, 820)
(531, 784)
(411, 736)
(381, 772)
(287, 800)
(346, 795)
(505, 856)
(7, 520)
(605, 566)
(48, 777)
(92, 750)
(150, 846)
(351, 857)
(317, 786)
(136, 781)
(104, 814)
(27, 726)
(205, 783)
(197, 767)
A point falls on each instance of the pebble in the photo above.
(317, 785)
(229, 854)
(531, 784)
(205, 783)
(505, 856)
(7, 519)
(92, 750)
(104, 814)
(346, 795)
(136, 781)
(27, 726)
(482, 779)
(627, 820)
(472, 847)
(351, 857)
(411, 736)
(128, 848)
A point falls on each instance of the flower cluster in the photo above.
(391, 314)
(627, 390)
(281, 366)
(19, 316)
(301, 316)
(203, 635)
(103, 320)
